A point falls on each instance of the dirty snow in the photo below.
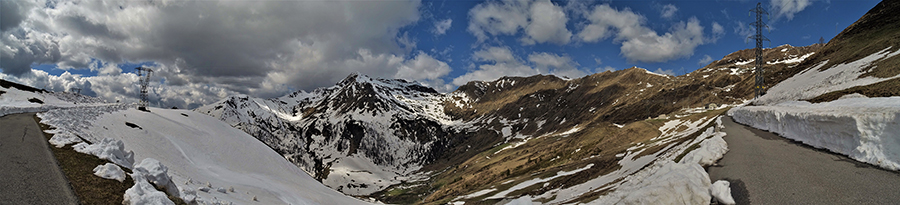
(108, 149)
(144, 193)
(865, 129)
(110, 171)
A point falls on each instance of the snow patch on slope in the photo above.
(812, 82)
(653, 178)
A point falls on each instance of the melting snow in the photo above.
(812, 82)
(792, 60)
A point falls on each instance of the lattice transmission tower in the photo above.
(144, 80)
(759, 24)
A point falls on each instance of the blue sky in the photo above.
(819, 19)
(203, 51)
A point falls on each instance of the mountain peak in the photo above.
(354, 77)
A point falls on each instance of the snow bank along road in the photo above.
(775, 170)
(29, 174)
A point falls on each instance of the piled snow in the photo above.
(110, 171)
(62, 139)
(144, 193)
(157, 174)
(811, 82)
(865, 129)
(668, 182)
(108, 149)
(663, 183)
(188, 152)
(721, 191)
(710, 151)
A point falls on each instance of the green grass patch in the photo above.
(396, 192)
(497, 148)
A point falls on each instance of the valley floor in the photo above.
(764, 168)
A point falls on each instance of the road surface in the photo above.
(28, 170)
(764, 168)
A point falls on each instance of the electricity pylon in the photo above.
(759, 24)
(144, 80)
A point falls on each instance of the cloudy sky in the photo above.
(203, 51)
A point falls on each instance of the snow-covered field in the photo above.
(14, 101)
(205, 159)
(866, 129)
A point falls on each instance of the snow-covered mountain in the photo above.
(357, 137)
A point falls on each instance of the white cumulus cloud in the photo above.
(542, 21)
(680, 42)
(640, 43)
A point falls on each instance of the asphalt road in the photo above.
(28, 170)
(764, 168)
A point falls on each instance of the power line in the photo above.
(759, 24)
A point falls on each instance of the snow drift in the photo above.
(865, 129)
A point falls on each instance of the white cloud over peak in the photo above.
(501, 61)
(542, 21)
(426, 70)
(548, 63)
(787, 8)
